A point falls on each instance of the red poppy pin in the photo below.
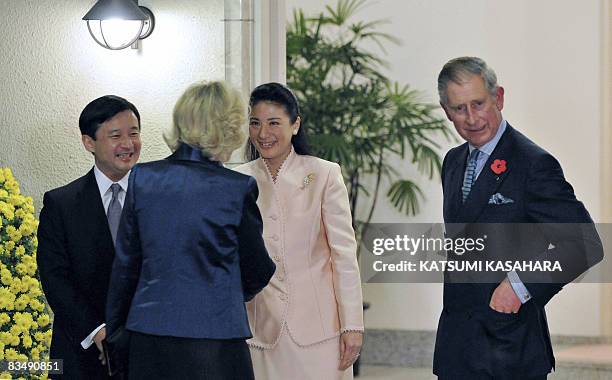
(498, 166)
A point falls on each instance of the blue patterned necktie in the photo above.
(470, 174)
(114, 211)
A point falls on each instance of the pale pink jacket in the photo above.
(316, 290)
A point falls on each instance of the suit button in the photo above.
(280, 277)
(273, 217)
(283, 297)
(275, 237)
(276, 258)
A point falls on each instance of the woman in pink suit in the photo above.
(308, 322)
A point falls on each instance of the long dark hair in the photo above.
(279, 94)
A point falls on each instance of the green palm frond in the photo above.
(355, 115)
(344, 10)
(405, 195)
(428, 161)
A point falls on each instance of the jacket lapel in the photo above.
(488, 182)
(453, 183)
(92, 214)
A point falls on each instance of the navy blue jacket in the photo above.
(189, 250)
(474, 341)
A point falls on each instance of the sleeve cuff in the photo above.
(357, 330)
(518, 286)
(87, 342)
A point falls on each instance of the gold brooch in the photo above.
(307, 180)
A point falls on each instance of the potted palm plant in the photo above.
(356, 115)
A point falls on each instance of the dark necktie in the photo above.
(114, 211)
(470, 174)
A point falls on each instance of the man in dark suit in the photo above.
(501, 184)
(78, 225)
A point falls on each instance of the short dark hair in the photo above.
(102, 109)
(279, 94)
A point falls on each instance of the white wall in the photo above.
(546, 55)
(50, 68)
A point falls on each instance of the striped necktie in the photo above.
(470, 174)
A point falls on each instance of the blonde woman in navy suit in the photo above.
(190, 252)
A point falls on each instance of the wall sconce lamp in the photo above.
(117, 24)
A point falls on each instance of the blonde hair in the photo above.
(210, 116)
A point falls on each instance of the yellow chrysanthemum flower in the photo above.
(16, 285)
(27, 341)
(16, 200)
(29, 207)
(34, 293)
(9, 246)
(37, 305)
(5, 338)
(21, 214)
(14, 234)
(23, 320)
(15, 330)
(43, 321)
(31, 271)
(26, 229)
(26, 259)
(6, 277)
(10, 184)
(7, 299)
(10, 354)
(22, 302)
(21, 268)
(25, 279)
(7, 210)
(11, 230)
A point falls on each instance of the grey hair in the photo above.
(457, 70)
